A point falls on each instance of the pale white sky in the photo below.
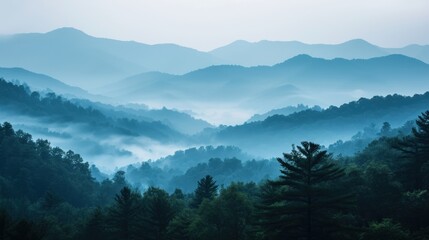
(207, 24)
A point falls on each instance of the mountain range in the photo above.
(279, 132)
(272, 52)
(99, 95)
(43, 83)
(79, 59)
(300, 80)
(89, 62)
(282, 111)
(103, 133)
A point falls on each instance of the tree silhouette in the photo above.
(124, 215)
(304, 202)
(415, 150)
(206, 189)
(159, 212)
(95, 226)
(179, 226)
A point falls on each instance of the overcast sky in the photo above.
(207, 24)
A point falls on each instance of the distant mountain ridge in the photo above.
(100, 137)
(90, 62)
(40, 82)
(272, 52)
(179, 121)
(282, 111)
(279, 132)
(299, 80)
(86, 61)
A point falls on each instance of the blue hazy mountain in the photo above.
(282, 111)
(43, 83)
(176, 120)
(79, 59)
(100, 137)
(271, 52)
(302, 79)
(327, 126)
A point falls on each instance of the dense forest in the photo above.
(380, 192)
(324, 127)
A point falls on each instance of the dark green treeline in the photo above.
(380, 193)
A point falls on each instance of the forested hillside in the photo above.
(214, 120)
(325, 126)
(302, 79)
(19, 100)
(176, 120)
(379, 193)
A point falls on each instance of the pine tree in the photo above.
(124, 215)
(178, 228)
(305, 201)
(206, 189)
(95, 226)
(159, 212)
(415, 152)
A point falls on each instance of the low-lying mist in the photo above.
(106, 152)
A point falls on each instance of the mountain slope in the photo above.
(282, 111)
(277, 133)
(100, 138)
(176, 120)
(271, 52)
(86, 61)
(302, 79)
(40, 82)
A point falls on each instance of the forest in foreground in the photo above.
(379, 193)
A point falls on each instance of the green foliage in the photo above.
(385, 229)
(18, 99)
(95, 226)
(47, 193)
(124, 216)
(159, 212)
(179, 227)
(225, 172)
(415, 150)
(206, 189)
(378, 183)
(303, 203)
(225, 217)
(30, 169)
(414, 210)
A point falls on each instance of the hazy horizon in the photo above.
(210, 24)
(222, 44)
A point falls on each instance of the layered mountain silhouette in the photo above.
(240, 79)
(272, 52)
(81, 60)
(302, 79)
(179, 121)
(285, 111)
(43, 83)
(104, 136)
(279, 132)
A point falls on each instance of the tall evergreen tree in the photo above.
(415, 149)
(305, 201)
(206, 189)
(124, 215)
(159, 212)
(95, 226)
